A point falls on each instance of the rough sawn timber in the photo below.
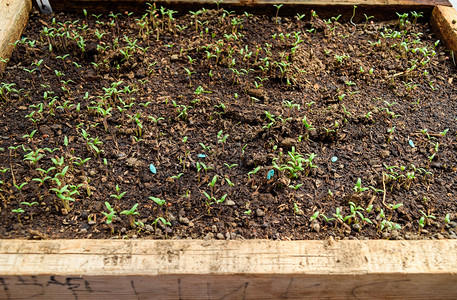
(14, 15)
(444, 23)
(251, 269)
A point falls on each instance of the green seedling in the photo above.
(118, 194)
(314, 216)
(109, 216)
(253, 172)
(425, 219)
(208, 201)
(19, 211)
(20, 186)
(358, 186)
(158, 201)
(162, 220)
(131, 214)
(213, 183)
(30, 207)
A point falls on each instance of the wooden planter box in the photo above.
(253, 269)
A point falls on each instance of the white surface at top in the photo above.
(454, 3)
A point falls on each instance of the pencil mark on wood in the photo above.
(6, 289)
(236, 291)
(179, 289)
(71, 285)
(383, 284)
(285, 294)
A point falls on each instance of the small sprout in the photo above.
(158, 201)
(213, 181)
(395, 206)
(222, 199)
(229, 182)
(253, 172)
(109, 216)
(230, 166)
(358, 186)
(130, 214)
(29, 204)
(425, 219)
(162, 220)
(119, 195)
(314, 216)
(18, 211)
(443, 133)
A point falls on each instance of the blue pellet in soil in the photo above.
(411, 143)
(201, 155)
(152, 168)
(270, 174)
(334, 159)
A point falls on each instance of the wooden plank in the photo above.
(444, 22)
(380, 9)
(14, 15)
(252, 269)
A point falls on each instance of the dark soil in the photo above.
(232, 153)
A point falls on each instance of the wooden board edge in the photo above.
(239, 286)
(202, 257)
(444, 23)
(197, 269)
(13, 19)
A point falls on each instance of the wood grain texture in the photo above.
(14, 15)
(253, 269)
(444, 22)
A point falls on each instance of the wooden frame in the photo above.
(251, 269)
(195, 269)
(13, 18)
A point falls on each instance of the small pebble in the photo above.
(316, 227)
(220, 236)
(230, 203)
(149, 228)
(91, 222)
(259, 212)
(184, 220)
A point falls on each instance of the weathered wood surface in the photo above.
(444, 22)
(380, 9)
(254, 269)
(14, 15)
